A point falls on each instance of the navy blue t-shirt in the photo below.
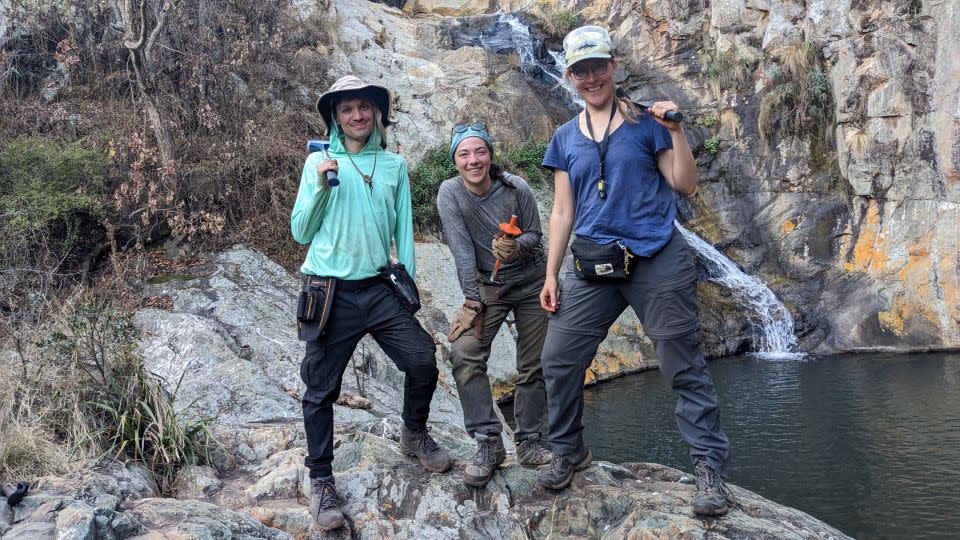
(639, 209)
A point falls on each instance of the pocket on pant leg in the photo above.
(314, 369)
(673, 312)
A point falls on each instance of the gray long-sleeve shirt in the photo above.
(471, 221)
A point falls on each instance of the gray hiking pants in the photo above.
(470, 355)
(662, 291)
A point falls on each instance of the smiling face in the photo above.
(593, 80)
(472, 158)
(356, 118)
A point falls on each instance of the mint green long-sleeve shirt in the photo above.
(349, 227)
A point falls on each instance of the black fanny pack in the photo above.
(314, 306)
(399, 279)
(601, 262)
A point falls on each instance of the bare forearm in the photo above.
(560, 227)
(685, 175)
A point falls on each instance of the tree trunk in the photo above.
(160, 131)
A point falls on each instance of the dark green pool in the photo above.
(867, 443)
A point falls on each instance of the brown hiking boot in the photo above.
(531, 452)
(713, 497)
(325, 504)
(420, 444)
(490, 454)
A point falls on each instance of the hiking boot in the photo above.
(325, 504)
(713, 497)
(490, 454)
(419, 443)
(560, 472)
(531, 452)
(14, 493)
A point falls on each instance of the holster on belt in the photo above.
(314, 306)
(504, 289)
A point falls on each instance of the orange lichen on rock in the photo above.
(607, 365)
(502, 390)
(895, 320)
(918, 262)
(788, 226)
(869, 251)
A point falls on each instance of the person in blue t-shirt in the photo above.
(616, 165)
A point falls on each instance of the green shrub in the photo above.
(425, 180)
(50, 210)
(712, 145)
(435, 167)
(525, 159)
(42, 182)
(124, 410)
(710, 121)
(562, 21)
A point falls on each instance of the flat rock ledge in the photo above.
(388, 495)
(229, 338)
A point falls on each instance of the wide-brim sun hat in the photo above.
(350, 84)
(586, 42)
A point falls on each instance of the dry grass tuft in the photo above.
(728, 70)
(799, 101)
(797, 59)
(858, 142)
(730, 124)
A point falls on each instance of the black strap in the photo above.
(602, 146)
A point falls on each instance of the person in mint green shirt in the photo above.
(349, 228)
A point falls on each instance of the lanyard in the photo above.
(602, 149)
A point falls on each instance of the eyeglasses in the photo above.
(581, 71)
(477, 126)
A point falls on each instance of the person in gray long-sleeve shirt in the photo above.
(472, 206)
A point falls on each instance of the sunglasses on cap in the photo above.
(581, 71)
(477, 126)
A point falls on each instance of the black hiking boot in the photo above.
(14, 493)
(560, 472)
(531, 452)
(713, 497)
(420, 444)
(325, 504)
(490, 454)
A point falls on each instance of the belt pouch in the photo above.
(402, 283)
(314, 306)
(601, 262)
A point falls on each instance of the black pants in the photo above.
(361, 307)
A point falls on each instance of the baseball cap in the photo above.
(586, 42)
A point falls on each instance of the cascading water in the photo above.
(775, 340)
(530, 64)
(507, 32)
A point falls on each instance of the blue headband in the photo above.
(469, 132)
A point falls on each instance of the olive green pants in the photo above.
(470, 355)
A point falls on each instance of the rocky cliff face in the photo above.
(833, 131)
(229, 338)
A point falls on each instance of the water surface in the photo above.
(867, 443)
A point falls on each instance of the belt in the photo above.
(346, 284)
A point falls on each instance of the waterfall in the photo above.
(530, 63)
(508, 32)
(775, 340)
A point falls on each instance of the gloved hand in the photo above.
(505, 248)
(470, 315)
